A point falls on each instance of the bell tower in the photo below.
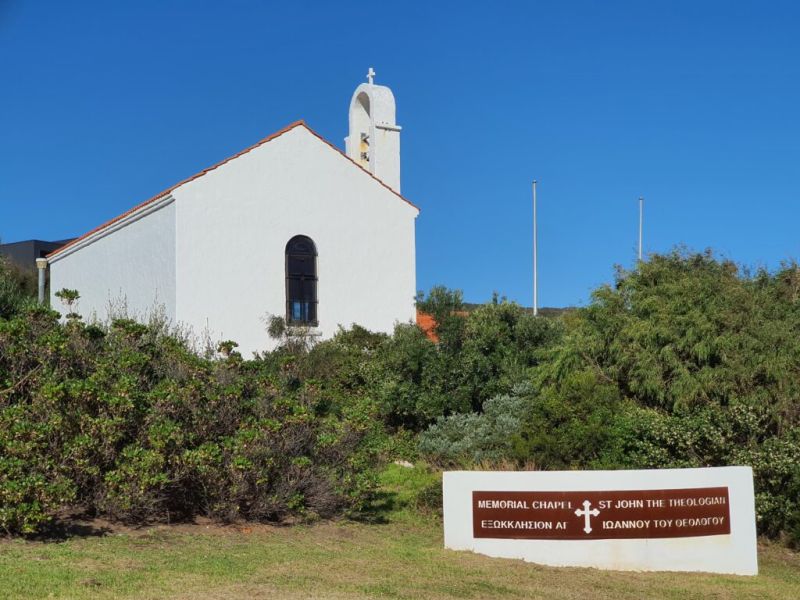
(374, 139)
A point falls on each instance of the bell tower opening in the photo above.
(363, 124)
(374, 138)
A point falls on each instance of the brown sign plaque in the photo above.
(596, 515)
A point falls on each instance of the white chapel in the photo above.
(290, 226)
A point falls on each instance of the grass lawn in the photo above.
(400, 558)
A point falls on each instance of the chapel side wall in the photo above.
(234, 222)
(134, 265)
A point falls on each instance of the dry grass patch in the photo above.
(400, 558)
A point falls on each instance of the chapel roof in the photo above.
(427, 324)
(169, 190)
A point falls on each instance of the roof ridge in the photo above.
(172, 188)
(272, 136)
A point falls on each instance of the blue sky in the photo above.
(694, 105)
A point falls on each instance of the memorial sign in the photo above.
(609, 519)
(603, 515)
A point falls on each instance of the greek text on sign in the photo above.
(592, 515)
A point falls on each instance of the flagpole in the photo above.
(535, 265)
(641, 215)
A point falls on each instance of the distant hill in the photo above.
(544, 311)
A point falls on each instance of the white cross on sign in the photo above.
(587, 515)
(370, 75)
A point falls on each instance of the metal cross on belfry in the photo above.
(370, 75)
(587, 515)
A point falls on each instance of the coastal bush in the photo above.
(645, 438)
(480, 354)
(686, 330)
(17, 289)
(685, 361)
(466, 439)
(128, 423)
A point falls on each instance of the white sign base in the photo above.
(651, 520)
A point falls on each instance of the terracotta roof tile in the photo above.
(427, 324)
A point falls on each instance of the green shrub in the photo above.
(464, 439)
(686, 361)
(569, 425)
(480, 354)
(646, 438)
(430, 499)
(687, 330)
(17, 289)
(777, 482)
(411, 488)
(32, 484)
(128, 423)
(401, 380)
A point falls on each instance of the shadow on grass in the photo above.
(377, 511)
(403, 491)
(61, 530)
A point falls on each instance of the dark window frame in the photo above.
(301, 281)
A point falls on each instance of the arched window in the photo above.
(301, 281)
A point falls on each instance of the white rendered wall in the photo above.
(234, 222)
(133, 264)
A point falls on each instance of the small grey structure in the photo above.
(24, 254)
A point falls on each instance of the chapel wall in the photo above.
(130, 269)
(234, 222)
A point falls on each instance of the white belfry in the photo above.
(374, 137)
(587, 515)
